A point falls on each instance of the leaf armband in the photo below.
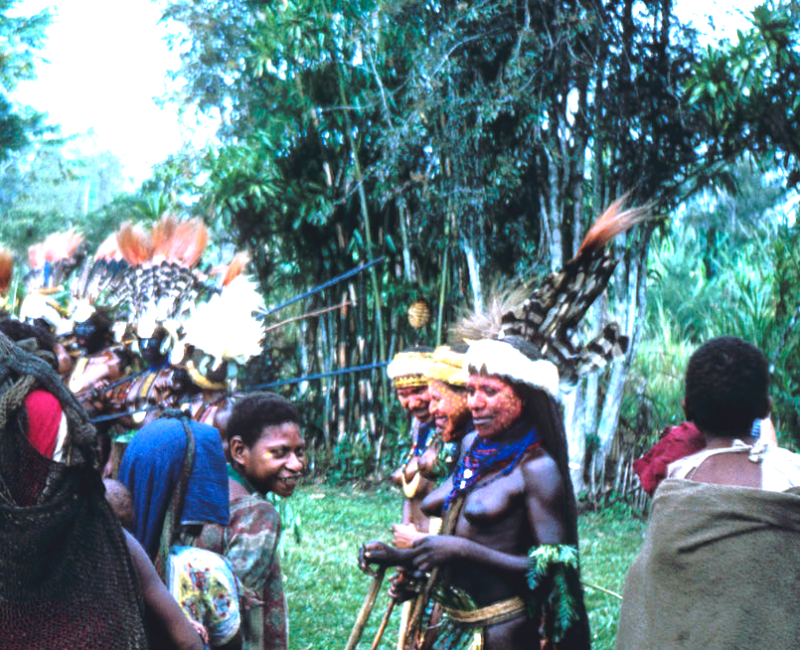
(555, 588)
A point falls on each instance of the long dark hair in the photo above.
(541, 410)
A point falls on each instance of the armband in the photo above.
(553, 580)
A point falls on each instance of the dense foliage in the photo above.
(471, 144)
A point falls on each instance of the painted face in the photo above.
(415, 399)
(449, 410)
(277, 459)
(493, 403)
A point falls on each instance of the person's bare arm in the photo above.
(545, 499)
(160, 602)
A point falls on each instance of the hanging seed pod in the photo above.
(419, 313)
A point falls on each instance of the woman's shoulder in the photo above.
(541, 474)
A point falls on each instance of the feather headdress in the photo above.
(52, 260)
(225, 328)
(6, 270)
(539, 325)
(162, 282)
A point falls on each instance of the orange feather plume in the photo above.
(108, 250)
(6, 270)
(162, 235)
(611, 223)
(36, 255)
(236, 267)
(56, 247)
(135, 244)
(188, 243)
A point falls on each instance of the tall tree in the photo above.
(21, 36)
(464, 141)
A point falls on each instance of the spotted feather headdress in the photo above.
(529, 335)
(100, 281)
(162, 283)
(50, 264)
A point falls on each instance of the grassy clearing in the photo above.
(325, 589)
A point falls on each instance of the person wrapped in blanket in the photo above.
(176, 473)
(505, 566)
(720, 563)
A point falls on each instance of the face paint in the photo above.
(449, 410)
(415, 399)
(494, 405)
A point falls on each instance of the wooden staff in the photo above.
(418, 609)
(366, 609)
(382, 628)
(414, 623)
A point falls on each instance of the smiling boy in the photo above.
(267, 454)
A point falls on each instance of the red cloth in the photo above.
(675, 442)
(44, 418)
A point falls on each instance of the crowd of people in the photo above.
(177, 547)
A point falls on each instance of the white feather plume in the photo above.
(225, 327)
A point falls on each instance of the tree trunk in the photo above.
(632, 326)
(474, 274)
(573, 404)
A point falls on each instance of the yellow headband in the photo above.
(409, 368)
(448, 366)
(410, 380)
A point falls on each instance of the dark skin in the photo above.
(414, 400)
(500, 521)
(729, 469)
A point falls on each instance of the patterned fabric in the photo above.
(486, 456)
(250, 544)
(205, 587)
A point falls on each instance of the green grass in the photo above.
(325, 589)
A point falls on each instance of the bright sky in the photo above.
(108, 64)
(106, 67)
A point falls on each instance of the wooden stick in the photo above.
(603, 589)
(366, 610)
(418, 609)
(306, 315)
(382, 628)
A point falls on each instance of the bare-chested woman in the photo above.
(509, 507)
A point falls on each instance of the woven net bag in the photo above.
(66, 577)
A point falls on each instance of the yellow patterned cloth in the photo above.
(205, 587)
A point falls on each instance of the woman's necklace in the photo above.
(486, 457)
